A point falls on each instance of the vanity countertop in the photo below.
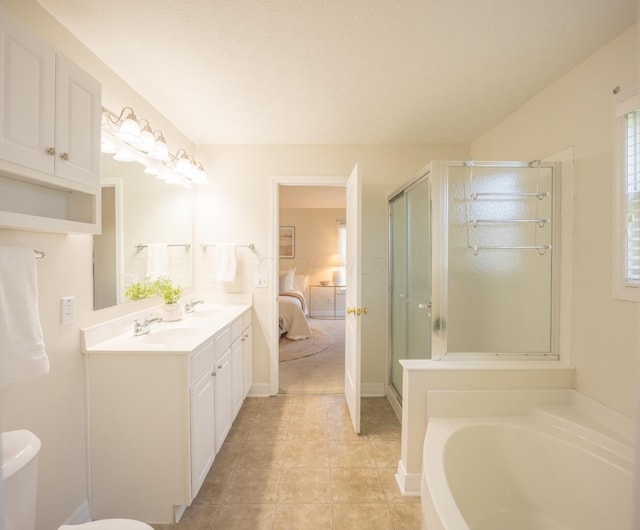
(182, 336)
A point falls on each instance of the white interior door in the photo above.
(353, 318)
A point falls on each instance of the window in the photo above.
(342, 240)
(627, 212)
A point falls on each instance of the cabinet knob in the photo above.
(64, 156)
(51, 151)
(213, 374)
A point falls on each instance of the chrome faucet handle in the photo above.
(189, 306)
(138, 328)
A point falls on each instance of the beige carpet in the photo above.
(296, 349)
(322, 373)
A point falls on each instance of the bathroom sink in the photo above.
(173, 336)
(204, 313)
(18, 448)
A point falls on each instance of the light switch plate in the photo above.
(261, 280)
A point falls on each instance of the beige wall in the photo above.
(316, 232)
(576, 111)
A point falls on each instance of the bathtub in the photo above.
(527, 473)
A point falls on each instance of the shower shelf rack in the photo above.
(542, 249)
(540, 222)
(538, 195)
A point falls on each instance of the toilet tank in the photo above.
(19, 471)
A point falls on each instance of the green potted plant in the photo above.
(162, 287)
(171, 295)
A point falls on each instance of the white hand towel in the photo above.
(157, 261)
(22, 351)
(226, 262)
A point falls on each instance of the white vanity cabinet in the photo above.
(223, 387)
(157, 414)
(202, 414)
(50, 113)
(151, 425)
(241, 361)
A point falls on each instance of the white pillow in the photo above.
(286, 280)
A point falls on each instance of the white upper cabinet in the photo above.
(49, 136)
(77, 124)
(27, 89)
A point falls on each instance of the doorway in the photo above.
(312, 252)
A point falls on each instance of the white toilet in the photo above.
(19, 470)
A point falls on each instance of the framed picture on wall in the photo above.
(287, 241)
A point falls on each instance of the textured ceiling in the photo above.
(340, 71)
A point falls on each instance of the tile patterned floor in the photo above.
(294, 463)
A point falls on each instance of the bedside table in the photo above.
(327, 301)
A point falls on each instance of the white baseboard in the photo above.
(82, 514)
(372, 389)
(409, 483)
(260, 390)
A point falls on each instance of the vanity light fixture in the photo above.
(130, 139)
(129, 128)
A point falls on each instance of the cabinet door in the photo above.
(237, 376)
(77, 124)
(247, 350)
(26, 97)
(202, 430)
(222, 414)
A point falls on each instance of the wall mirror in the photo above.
(137, 210)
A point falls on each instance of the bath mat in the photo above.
(296, 349)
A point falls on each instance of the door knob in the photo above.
(351, 310)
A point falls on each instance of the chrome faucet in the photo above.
(144, 327)
(190, 306)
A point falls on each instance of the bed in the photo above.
(293, 306)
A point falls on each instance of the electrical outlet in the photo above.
(261, 280)
(67, 309)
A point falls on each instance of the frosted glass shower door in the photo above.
(398, 306)
(418, 272)
(410, 258)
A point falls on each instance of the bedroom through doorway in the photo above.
(311, 290)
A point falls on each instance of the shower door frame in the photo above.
(424, 175)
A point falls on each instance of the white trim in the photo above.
(260, 390)
(624, 102)
(272, 316)
(409, 483)
(562, 294)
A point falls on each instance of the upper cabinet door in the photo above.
(26, 97)
(77, 124)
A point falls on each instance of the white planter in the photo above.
(172, 312)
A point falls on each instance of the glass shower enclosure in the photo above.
(472, 253)
(410, 270)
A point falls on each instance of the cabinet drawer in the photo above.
(223, 341)
(201, 361)
(236, 329)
